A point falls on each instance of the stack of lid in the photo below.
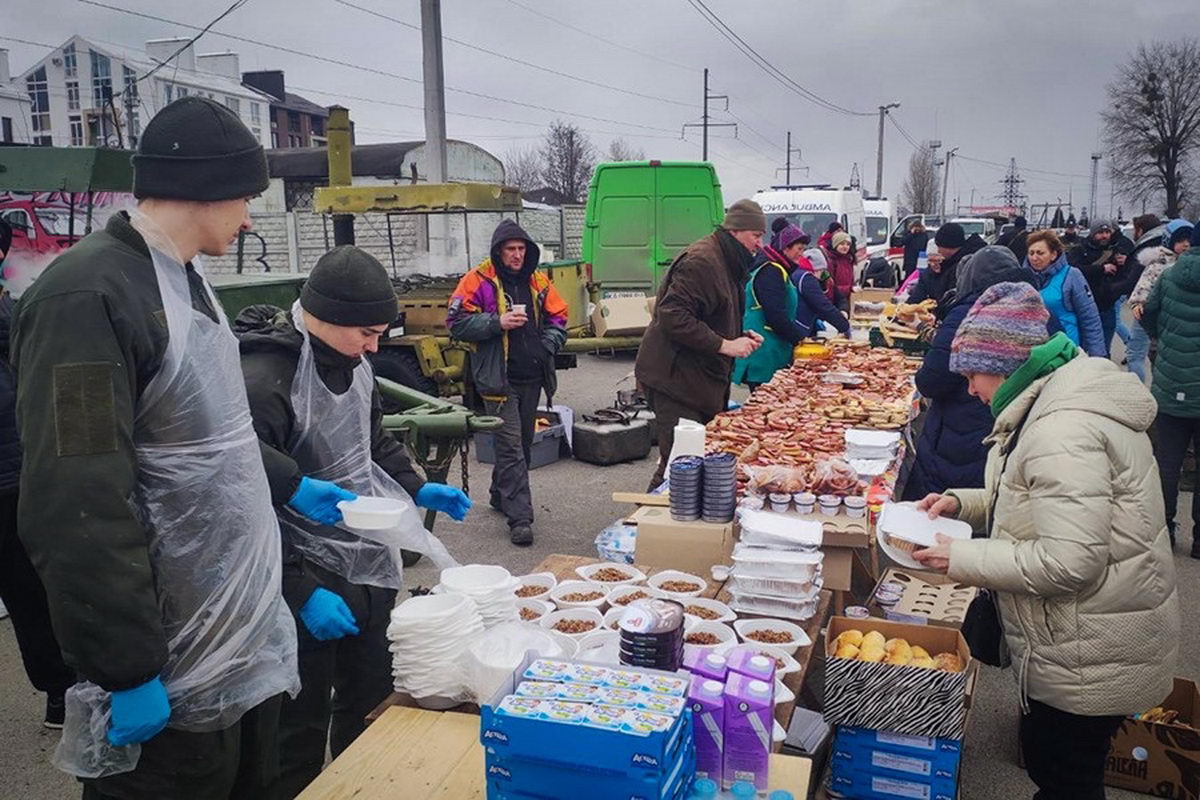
(720, 487)
(652, 634)
(686, 488)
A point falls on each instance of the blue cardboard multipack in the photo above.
(924, 756)
(605, 740)
(509, 777)
(865, 785)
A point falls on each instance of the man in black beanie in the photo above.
(940, 277)
(314, 402)
(145, 505)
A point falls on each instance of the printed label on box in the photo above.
(915, 742)
(915, 766)
(900, 788)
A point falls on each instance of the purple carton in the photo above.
(749, 721)
(745, 661)
(706, 698)
(705, 663)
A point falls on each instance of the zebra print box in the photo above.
(909, 700)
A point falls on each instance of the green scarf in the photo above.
(1043, 359)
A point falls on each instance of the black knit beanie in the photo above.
(197, 149)
(349, 287)
(950, 235)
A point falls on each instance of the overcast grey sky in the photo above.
(1022, 79)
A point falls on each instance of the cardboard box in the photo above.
(928, 598)
(1156, 759)
(908, 700)
(869, 296)
(689, 546)
(621, 316)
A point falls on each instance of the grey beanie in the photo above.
(745, 215)
(983, 268)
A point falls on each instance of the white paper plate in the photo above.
(914, 525)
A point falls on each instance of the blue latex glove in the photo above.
(447, 499)
(327, 616)
(318, 499)
(138, 714)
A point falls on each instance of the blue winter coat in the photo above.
(950, 453)
(1077, 297)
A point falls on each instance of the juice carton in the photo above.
(749, 721)
(752, 665)
(707, 700)
(705, 663)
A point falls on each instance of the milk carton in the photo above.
(752, 665)
(705, 663)
(749, 721)
(707, 701)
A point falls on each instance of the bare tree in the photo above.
(621, 150)
(1152, 122)
(523, 168)
(568, 157)
(921, 186)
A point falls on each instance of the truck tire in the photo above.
(401, 365)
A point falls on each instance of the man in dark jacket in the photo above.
(1104, 258)
(951, 451)
(1070, 237)
(341, 619)
(21, 590)
(517, 321)
(686, 359)
(915, 242)
(144, 504)
(1017, 239)
(940, 276)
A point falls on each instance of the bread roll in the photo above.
(854, 637)
(948, 661)
(873, 638)
(846, 650)
(925, 662)
(871, 654)
(919, 652)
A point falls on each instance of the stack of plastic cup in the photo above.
(686, 488)
(652, 634)
(720, 487)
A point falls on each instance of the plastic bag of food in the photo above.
(775, 478)
(835, 476)
(499, 651)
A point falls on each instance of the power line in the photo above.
(599, 38)
(27, 41)
(1028, 169)
(233, 7)
(515, 60)
(766, 66)
(371, 70)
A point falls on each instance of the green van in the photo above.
(640, 214)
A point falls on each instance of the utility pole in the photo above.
(435, 117)
(934, 144)
(946, 179)
(340, 168)
(1095, 183)
(788, 168)
(883, 110)
(705, 124)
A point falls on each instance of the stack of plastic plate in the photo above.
(686, 489)
(491, 587)
(429, 637)
(720, 487)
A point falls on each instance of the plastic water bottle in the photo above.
(781, 794)
(743, 790)
(704, 789)
(922, 260)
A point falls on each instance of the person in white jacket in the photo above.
(1154, 261)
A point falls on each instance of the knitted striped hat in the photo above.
(1006, 322)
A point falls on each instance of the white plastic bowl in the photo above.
(782, 693)
(579, 587)
(619, 592)
(725, 635)
(589, 614)
(476, 579)
(659, 578)
(372, 513)
(602, 647)
(540, 607)
(429, 609)
(612, 617)
(726, 613)
(588, 571)
(546, 580)
(745, 627)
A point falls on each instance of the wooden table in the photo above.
(414, 754)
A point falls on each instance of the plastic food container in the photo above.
(670, 576)
(780, 502)
(775, 606)
(577, 615)
(544, 581)
(797, 590)
(752, 503)
(857, 612)
(830, 504)
(757, 562)
(617, 597)
(724, 613)
(747, 629)
(806, 502)
(856, 507)
(372, 513)
(560, 593)
(782, 533)
(533, 610)
(605, 574)
(724, 634)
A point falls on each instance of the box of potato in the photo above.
(911, 679)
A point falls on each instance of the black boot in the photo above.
(1195, 546)
(1171, 533)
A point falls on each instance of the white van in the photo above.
(879, 225)
(984, 227)
(814, 206)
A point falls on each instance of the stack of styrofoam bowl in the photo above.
(429, 635)
(491, 587)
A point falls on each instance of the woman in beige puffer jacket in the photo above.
(1078, 554)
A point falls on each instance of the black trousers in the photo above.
(25, 598)
(510, 475)
(241, 761)
(667, 413)
(341, 681)
(1174, 435)
(1065, 753)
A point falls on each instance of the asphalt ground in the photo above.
(573, 502)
